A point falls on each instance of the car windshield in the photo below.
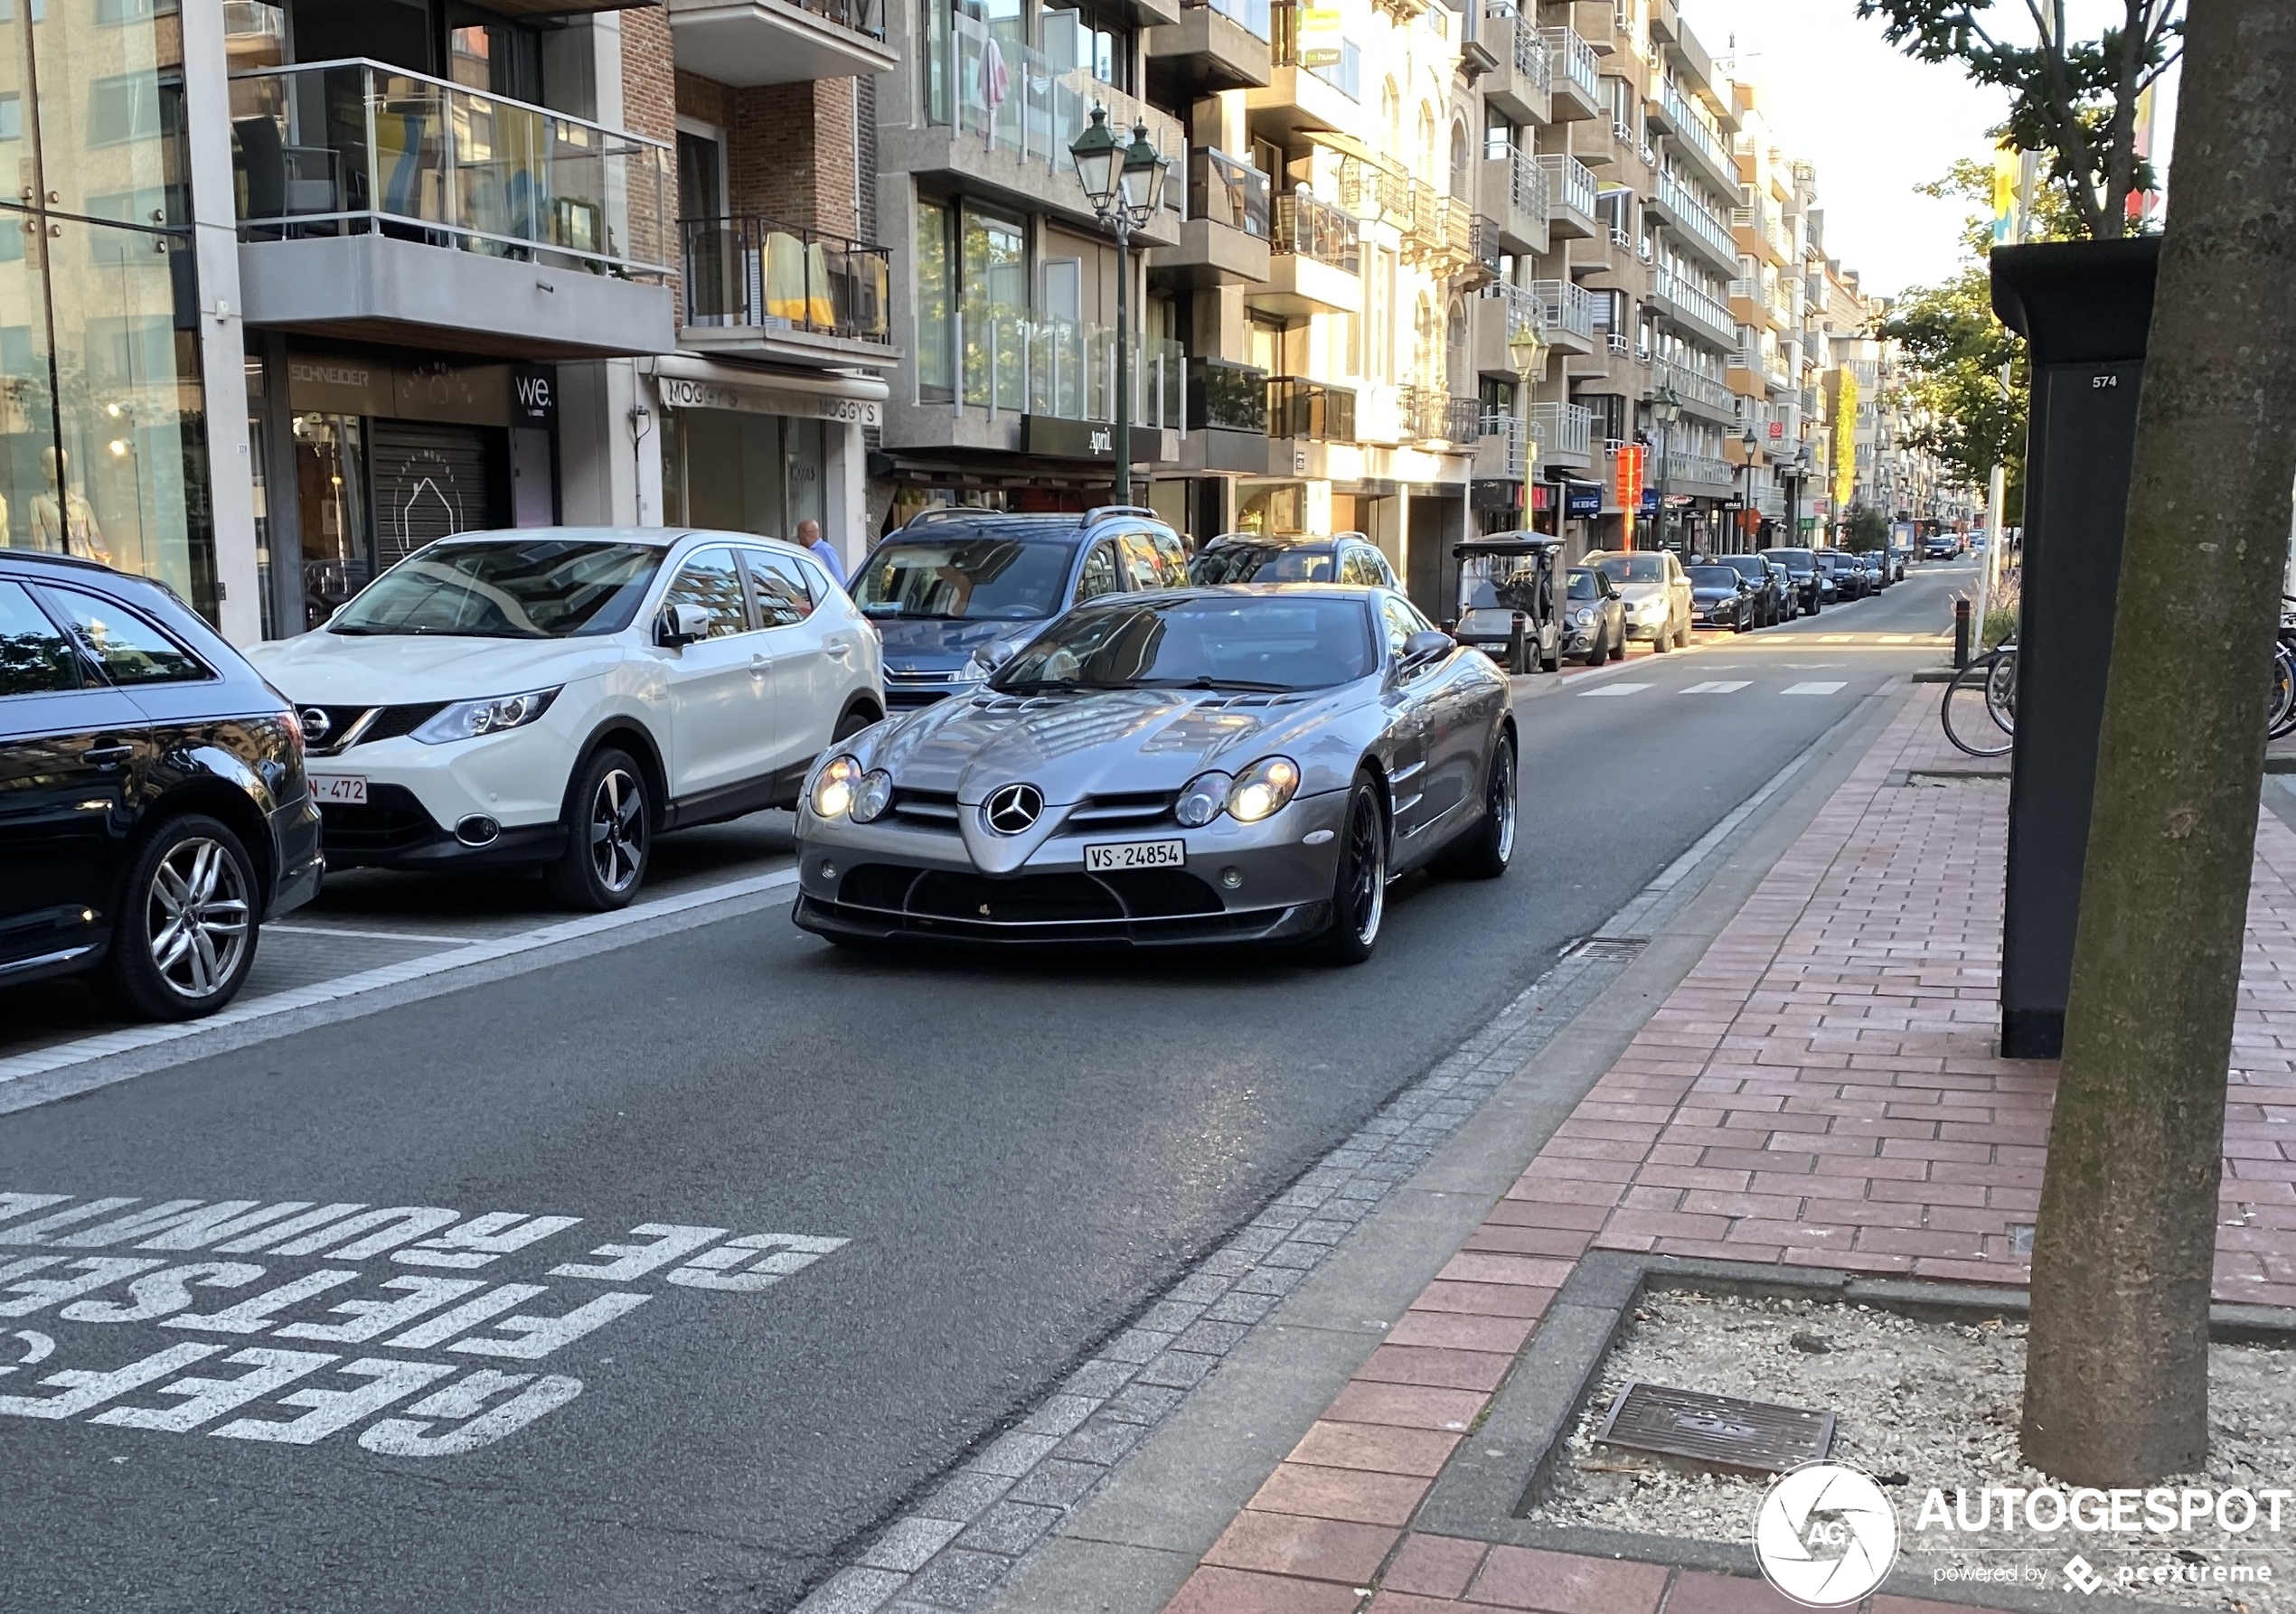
(1499, 582)
(978, 579)
(1582, 585)
(1269, 643)
(1633, 568)
(1794, 560)
(541, 588)
(1261, 563)
(1713, 576)
(1745, 566)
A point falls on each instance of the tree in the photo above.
(2116, 1386)
(2075, 99)
(1867, 529)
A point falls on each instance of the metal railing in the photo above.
(1569, 306)
(1225, 397)
(753, 271)
(1695, 216)
(1316, 229)
(1527, 183)
(1525, 309)
(1251, 15)
(1339, 65)
(1065, 369)
(1018, 100)
(1695, 129)
(1570, 183)
(1695, 470)
(1228, 191)
(355, 147)
(1693, 388)
(1432, 415)
(1498, 423)
(1577, 60)
(862, 16)
(1564, 428)
(1697, 303)
(1299, 408)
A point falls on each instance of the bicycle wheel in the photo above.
(1967, 711)
(2281, 719)
(2001, 689)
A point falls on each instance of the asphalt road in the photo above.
(1017, 1154)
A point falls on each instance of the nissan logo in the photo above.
(1012, 809)
(316, 724)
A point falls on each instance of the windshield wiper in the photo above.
(1205, 680)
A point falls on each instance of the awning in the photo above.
(687, 383)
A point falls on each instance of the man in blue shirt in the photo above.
(809, 536)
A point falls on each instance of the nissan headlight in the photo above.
(875, 794)
(1204, 800)
(834, 787)
(1262, 790)
(468, 719)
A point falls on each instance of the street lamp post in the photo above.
(1666, 408)
(1526, 350)
(1127, 186)
(1751, 441)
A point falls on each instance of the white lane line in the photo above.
(1813, 689)
(368, 935)
(1835, 638)
(1723, 686)
(19, 1065)
(1613, 689)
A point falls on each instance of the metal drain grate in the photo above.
(1752, 1437)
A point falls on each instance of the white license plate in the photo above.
(1135, 854)
(338, 787)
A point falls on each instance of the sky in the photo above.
(1876, 123)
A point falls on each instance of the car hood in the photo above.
(1712, 591)
(1634, 594)
(359, 670)
(1094, 743)
(935, 644)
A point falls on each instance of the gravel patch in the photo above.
(1922, 1405)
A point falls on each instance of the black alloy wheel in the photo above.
(1484, 852)
(1359, 883)
(609, 836)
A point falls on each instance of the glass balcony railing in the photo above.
(1254, 16)
(752, 271)
(1318, 231)
(1016, 100)
(1569, 306)
(1577, 61)
(359, 147)
(1228, 191)
(1569, 183)
(1299, 408)
(1225, 397)
(1066, 369)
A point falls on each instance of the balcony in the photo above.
(1227, 417)
(1500, 439)
(1315, 82)
(1216, 45)
(758, 286)
(1565, 432)
(1317, 410)
(1002, 116)
(1224, 242)
(748, 43)
(1518, 86)
(1314, 262)
(1015, 368)
(383, 204)
(1760, 235)
(1570, 196)
(1693, 473)
(1576, 88)
(1569, 312)
(1514, 193)
(1678, 207)
(1696, 310)
(1431, 417)
(1505, 315)
(1699, 393)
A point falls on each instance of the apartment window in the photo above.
(934, 380)
(995, 301)
(1090, 37)
(1498, 135)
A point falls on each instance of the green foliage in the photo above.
(1867, 529)
(2073, 99)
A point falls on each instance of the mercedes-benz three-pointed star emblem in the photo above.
(1013, 809)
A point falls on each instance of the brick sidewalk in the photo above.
(1818, 1090)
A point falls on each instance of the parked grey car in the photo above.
(1209, 764)
(1291, 558)
(1594, 617)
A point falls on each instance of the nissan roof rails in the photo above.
(1098, 510)
(949, 512)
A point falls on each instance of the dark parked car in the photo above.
(1875, 565)
(1771, 592)
(1849, 579)
(1810, 587)
(1291, 558)
(1721, 598)
(958, 589)
(1594, 617)
(153, 807)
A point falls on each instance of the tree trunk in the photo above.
(2116, 1389)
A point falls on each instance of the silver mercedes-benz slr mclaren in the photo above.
(1206, 764)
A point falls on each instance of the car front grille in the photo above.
(925, 808)
(391, 820)
(1135, 810)
(1029, 899)
(387, 724)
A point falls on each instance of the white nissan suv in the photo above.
(553, 698)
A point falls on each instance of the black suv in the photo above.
(153, 810)
(958, 589)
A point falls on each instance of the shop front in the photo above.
(760, 451)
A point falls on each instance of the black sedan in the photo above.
(153, 809)
(1721, 598)
(1208, 765)
(1773, 600)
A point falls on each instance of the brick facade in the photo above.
(790, 148)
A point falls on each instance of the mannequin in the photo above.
(62, 519)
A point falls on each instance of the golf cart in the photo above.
(1507, 599)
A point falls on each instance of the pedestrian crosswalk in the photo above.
(1813, 687)
(1720, 686)
(1716, 686)
(1614, 690)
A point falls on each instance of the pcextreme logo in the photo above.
(1825, 1534)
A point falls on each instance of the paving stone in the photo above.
(1008, 1527)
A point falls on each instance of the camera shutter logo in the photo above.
(1825, 1534)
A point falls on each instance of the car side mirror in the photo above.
(1428, 645)
(680, 625)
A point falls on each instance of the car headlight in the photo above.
(836, 786)
(976, 669)
(1262, 790)
(468, 719)
(875, 794)
(1581, 617)
(1203, 800)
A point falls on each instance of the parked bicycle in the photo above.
(1979, 708)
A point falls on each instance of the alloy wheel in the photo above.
(617, 829)
(1503, 800)
(1366, 894)
(197, 918)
